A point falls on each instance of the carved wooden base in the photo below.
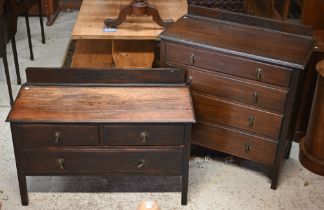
(138, 8)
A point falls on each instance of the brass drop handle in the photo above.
(60, 163)
(255, 96)
(57, 136)
(141, 164)
(192, 59)
(189, 80)
(248, 147)
(144, 135)
(259, 74)
(251, 121)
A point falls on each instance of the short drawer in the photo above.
(33, 135)
(144, 134)
(178, 54)
(236, 143)
(156, 161)
(238, 90)
(235, 115)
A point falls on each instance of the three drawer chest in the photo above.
(101, 122)
(245, 74)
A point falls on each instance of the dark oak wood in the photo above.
(245, 75)
(312, 145)
(131, 122)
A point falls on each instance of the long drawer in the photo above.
(233, 142)
(157, 161)
(235, 115)
(227, 64)
(238, 90)
(35, 135)
(144, 134)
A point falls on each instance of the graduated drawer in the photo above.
(227, 64)
(144, 134)
(110, 161)
(237, 90)
(236, 115)
(233, 142)
(35, 135)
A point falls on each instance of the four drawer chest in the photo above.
(101, 122)
(245, 74)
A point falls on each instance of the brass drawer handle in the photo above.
(248, 147)
(144, 135)
(189, 80)
(60, 163)
(57, 136)
(251, 121)
(255, 96)
(259, 74)
(192, 59)
(141, 164)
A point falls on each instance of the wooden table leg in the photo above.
(51, 13)
(23, 189)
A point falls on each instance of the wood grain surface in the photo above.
(102, 104)
(90, 22)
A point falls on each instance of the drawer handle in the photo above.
(251, 121)
(259, 74)
(192, 59)
(144, 135)
(248, 147)
(189, 80)
(255, 96)
(141, 164)
(57, 136)
(60, 163)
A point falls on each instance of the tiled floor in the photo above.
(213, 183)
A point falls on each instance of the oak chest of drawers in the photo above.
(78, 122)
(245, 75)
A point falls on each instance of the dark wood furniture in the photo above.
(138, 8)
(311, 153)
(86, 121)
(245, 75)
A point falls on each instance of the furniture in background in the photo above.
(274, 9)
(311, 153)
(245, 75)
(100, 122)
(132, 44)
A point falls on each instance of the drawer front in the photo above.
(237, 90)
(235, 115)
(157, 161)
(55, 135)
(239, 144)
(144, 135)
(227, 64)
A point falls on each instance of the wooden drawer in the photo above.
(235, 115)
(144, 134)
(227, 64)
(156, 161)
(239, 144)
(35, 135)
(238, 90)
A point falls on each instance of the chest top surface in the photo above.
(95, 103)
(243, 35)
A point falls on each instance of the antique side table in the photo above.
(100, 122)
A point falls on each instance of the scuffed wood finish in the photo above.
(90, 21)
(312, 145)
(102, 122)
(246, 75)
(116, 104)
